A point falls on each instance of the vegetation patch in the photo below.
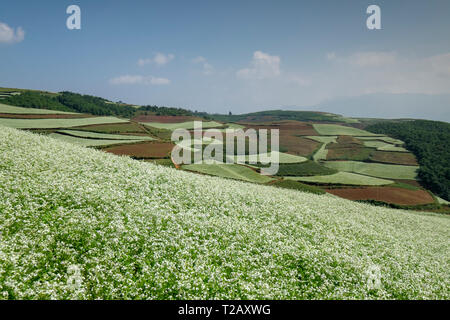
(308, 168)
(388, 171)
(182, 125)
(403, 158)
(90, 142)
(344, 178)
(56, 123)
(232, 171)
(428, 140)
(148, 150)
(96, 135)
(29, 111)
(296, 185)
(337, 130)
(389, 194)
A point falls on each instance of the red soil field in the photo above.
(386, 194)
(43, 116)
(165, 119)
(394, 157)
(143, 150)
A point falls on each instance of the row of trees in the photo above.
(428, 140)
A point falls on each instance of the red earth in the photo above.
(386, 194)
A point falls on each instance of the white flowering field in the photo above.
(77, 223)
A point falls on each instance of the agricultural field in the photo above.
(116, 128)
(91, 142)
(402, 158)
(392, 195)
(56, 123)
(4, 108)
(308, 168)
(96, 135)
(282, 157)
(232, 171)
(188, 125)
(344, 178)
(122, 226)
(147, 150)
(380, 170)
(337, 130)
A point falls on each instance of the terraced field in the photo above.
(57, 123)
(188, 125)
(344, 178)
(96, 135)
(337, 130)
(19, 110)
(91, 142)
(232, 171)
(379, 170)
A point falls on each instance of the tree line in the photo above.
(428, 140)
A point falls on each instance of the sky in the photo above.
(238, 56)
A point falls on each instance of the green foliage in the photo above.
(428, 140)
(308, 168)
(30, 99)
(295, 185)
(94, 105)
(278, 115)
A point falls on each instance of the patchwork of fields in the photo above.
(318, 154)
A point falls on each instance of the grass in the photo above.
(56, 123)
(78, 223)
(96, 135)
(90, 142)
(232, 171)
(4, 108)
(188, 125)
(296, 185)
(344, 178)
(388, 171)
(308, 168)
(382, 138)
(333, 130)
(282, 157)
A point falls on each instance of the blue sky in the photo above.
(218, 56)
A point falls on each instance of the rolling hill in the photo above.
(83, 224)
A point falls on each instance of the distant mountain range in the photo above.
(388, 106)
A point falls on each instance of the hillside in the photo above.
(428, 140)
(80, 223)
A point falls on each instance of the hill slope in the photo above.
(80, 223)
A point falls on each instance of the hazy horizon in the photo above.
(236, 56)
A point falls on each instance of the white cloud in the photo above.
(263, 66)
(160, 59)
(9, 35)
(207, 68)
(138, 80)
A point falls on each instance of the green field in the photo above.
(322, 152)
(344, 178)
(96, 135)
(387, 171)
(56, 123)
(392, 148)
(383, 138)
(337, 130)
(188, 125)
(308, 168)
(232, 171)
(78, 223)
(282, 157)
(90, 142)
(4, 108)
